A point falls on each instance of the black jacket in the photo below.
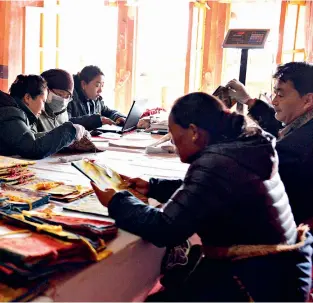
(232, 195)
(80, 107)
(295, 153)
(232, 185)
(18, 129)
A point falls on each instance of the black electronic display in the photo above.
(246, 38)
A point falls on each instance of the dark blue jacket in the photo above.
(18, 128)
(295, 152)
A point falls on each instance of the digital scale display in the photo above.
(246, 38)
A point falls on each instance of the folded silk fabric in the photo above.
(84, 145)
(8, 162)
(23, 293)
(83, 226)
(94, 249)
(58, 190)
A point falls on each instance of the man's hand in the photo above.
(104, 196)
(238, 91)
(108, 121)
(120, 121)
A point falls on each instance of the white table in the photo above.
(133, 268)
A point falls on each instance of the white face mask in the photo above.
(56, 103)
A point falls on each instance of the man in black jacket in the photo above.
(290, 119)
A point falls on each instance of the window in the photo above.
(161, 51)
(292, 43)
(67, 36)
(261, 62)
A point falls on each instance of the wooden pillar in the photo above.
(283, 13)
(127, 21)
(5, 7)
(188, 53)
(216, 25)
(12, 27)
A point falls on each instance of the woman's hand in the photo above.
(107, 121)
(137, 184)
(104, 196)
(120, 121)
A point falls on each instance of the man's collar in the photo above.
(297, 123)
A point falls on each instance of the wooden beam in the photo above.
(223, 25)
(283, 13)
(5, 8)
(12, 33)
(127, 18)
(188, 53)
(216, 24)
(296, 32)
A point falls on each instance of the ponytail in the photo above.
(209, 113)
(232, 126)
(28, 84)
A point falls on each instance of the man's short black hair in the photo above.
(299, 73)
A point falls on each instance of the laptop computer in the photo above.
(131, 121)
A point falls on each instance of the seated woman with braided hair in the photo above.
(233, 198)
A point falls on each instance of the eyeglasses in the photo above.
(66, 95)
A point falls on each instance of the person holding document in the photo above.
(233, 198)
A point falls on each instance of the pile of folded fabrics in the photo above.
(58, 191)
(15, 171)
(35, 245)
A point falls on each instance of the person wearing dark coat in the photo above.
(61, 87)
(290, 119)
(233, 198)
(87, 100)
(19, 112)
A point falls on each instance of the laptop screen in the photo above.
(134, 114)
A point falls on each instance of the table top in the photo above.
(130, 272)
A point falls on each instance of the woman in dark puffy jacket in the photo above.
(87, 100)
(233, 198)
(19, 112)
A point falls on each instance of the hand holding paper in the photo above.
(139, 185)
(106, 178)
(105, 195)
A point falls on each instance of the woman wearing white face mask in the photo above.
(61, 86)
(60, 89)
(57, 103)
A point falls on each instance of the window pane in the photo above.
(301, 29)
(261, 63)
(99, 28)
(287, 58)
(290, 27)
(161, 51)
(299, 57)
